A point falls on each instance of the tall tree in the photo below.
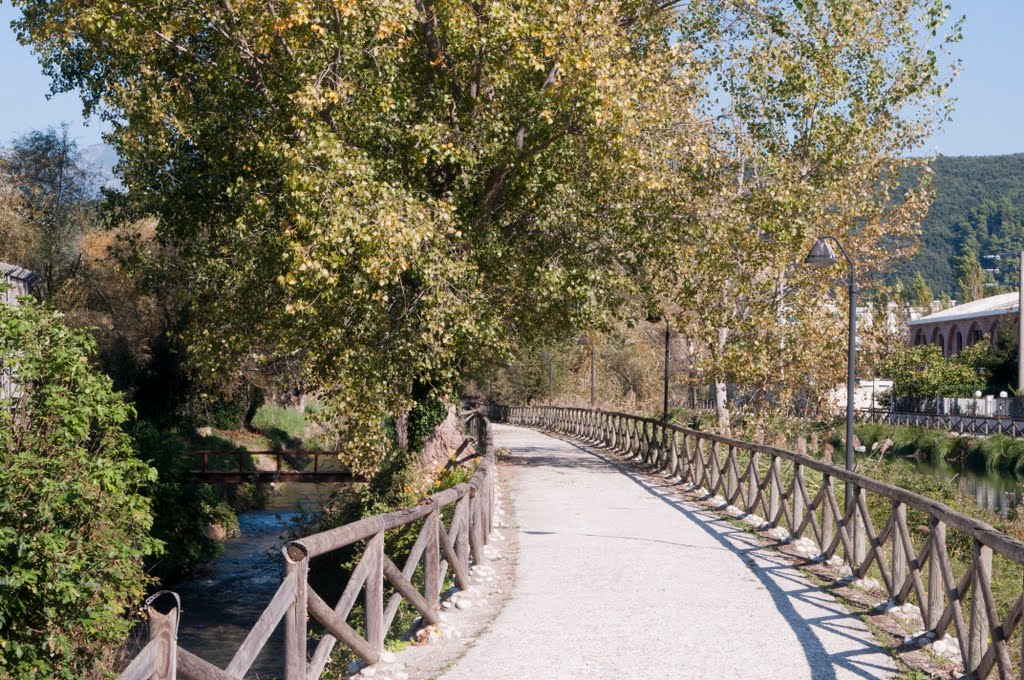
(386, 190)
(922, 294)
(970, 278)
(819, 108)
(53, 193)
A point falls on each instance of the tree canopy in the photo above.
(387, 192)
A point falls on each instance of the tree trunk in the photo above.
(722, 407)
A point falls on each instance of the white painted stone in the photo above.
(388, 657)
(464, 604)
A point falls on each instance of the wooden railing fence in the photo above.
(806, 496)
(437, 548)
(959, 423)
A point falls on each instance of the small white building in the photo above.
(18, 282)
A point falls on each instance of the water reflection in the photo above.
(999, 491)
(221, 604)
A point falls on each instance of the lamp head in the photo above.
(821, 255)
(583, 341)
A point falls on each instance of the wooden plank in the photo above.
(404, 586)
(191, 667)
(144, 663)
(411, 562)
(264, 627)
(340, 629)
(322, 654)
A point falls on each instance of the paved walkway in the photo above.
(618, 579)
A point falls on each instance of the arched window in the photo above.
(974, 335)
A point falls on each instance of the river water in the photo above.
(994, 490)
(222, 603)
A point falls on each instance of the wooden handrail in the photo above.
(752, 478)
(439, 549)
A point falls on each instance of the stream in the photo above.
(220, 604)
(993, 490)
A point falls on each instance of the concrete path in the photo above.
(617, 579)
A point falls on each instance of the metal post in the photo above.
(851, 366)
(1020, 323)
(593, 376)
(667, 338)
(551, 380)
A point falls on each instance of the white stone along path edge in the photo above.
(618, 578)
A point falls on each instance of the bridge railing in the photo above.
(235, 466)
(961, 423)
(806, 497)
(438, 548)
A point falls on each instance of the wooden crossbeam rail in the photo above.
(438, 549)
(241, 472)
(773, 483)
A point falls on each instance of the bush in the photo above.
(74, 527)
(182, 506)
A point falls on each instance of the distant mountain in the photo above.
(979, 206)
(101, 159)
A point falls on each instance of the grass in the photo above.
(284, 427)
(996, 452)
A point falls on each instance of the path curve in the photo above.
(619, 578)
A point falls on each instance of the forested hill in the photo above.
(979, 206)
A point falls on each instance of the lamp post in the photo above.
(551, 376)
(668, 338)
(822, 256)
(584, 341)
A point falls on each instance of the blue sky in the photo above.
(989, 118)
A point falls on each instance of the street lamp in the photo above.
(585, 342)
(822, 256)
(551, 376)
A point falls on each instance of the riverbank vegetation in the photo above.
(75, 506)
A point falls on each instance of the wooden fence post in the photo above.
(860, 550)
(774, 492)
(936, 587)
(164, 629)
(798, 498)
(899, 551)
(296, 567)
(375, 592)
(978, 630)
(432, 560)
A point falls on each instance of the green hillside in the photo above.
(979, 206)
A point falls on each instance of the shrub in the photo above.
(74, 527)
(182, 505)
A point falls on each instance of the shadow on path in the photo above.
(771, 569)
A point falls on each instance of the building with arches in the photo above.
(964, 325)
